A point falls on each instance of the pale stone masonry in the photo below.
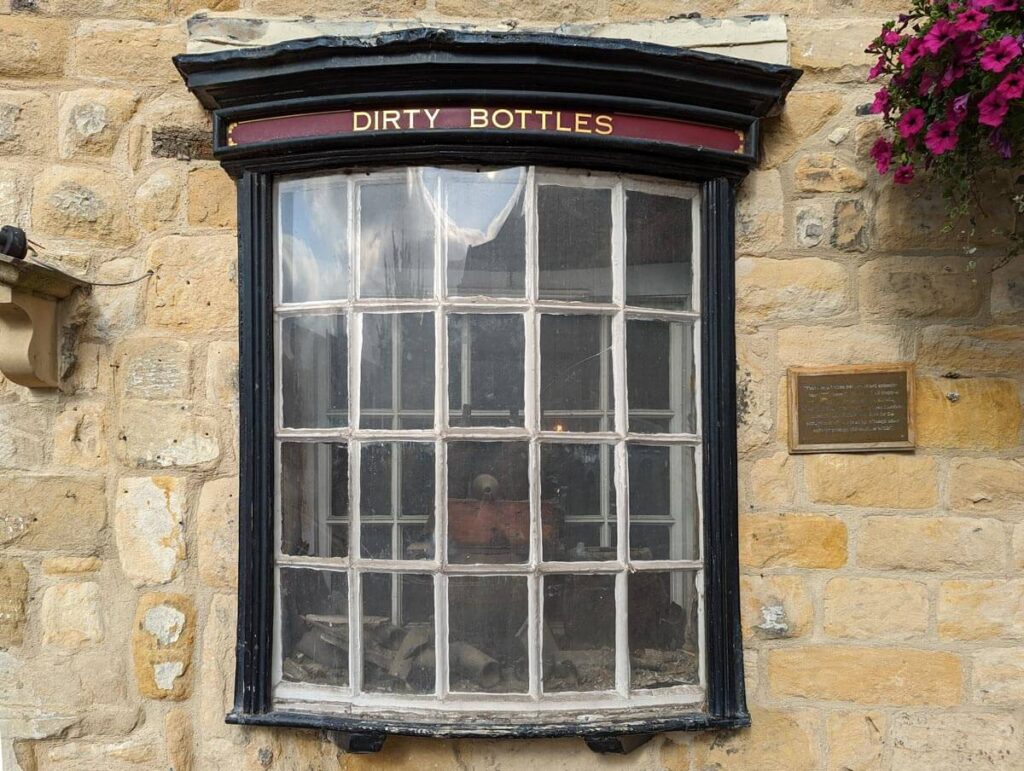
(883, 598)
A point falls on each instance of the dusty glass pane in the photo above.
(484, 227)
(659, 251)
(578, 641)
(485, 369)
(663, 521)
(487, 634)
(488, 502)
(314, 626)
(396, 500)
(663, 634)
(314, 499)
(577, 501)
(398, 632)
(660, 376)
(397, 371)
(314, 372)
(574, 243)
(396, 239)
(576, 373)
(312, 238)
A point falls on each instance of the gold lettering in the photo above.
(431, 116)
(360, 115)
(477, 117)
(604, 125)
(558, 123)
(582, 121)
(498, 123)
(390, 117)
(522, 118)
(411, 115)
(544, 119)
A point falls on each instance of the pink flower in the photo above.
(881, 152)
(891, 38)
(1001, 144)
(993, 108)
(941, 137)
(911, 123)
(971, 20)
(903, 174)
(878, 69)
(952, 74)
(1012, 86)
(966, 46)
(881, 103)
(998, 55)
(1004, 6)
(959, 107)
(941, 33)
(911, 52)
(927, 81)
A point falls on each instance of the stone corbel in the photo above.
(30, 297)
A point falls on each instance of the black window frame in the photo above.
(484, 69)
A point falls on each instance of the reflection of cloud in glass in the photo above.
(313, 238)
(396, 237)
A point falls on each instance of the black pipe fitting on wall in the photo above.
(13, 242)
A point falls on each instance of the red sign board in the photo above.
(531, 120)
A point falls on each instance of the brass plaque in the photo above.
(851, 409)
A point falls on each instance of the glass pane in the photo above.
(484, 225)
(660, 376)
(663, 521)
(485, 369)
(397, 371)
(314, 372)
(659, 249)
(396, 500)
(396, 239)
(577, 501)
(487, 634)
(576, 373)
(398, 633)
(314, 499)
(574, 243)
(663, 633)
(312, 238)
(488, 502)
(314, 626)
(579, 633)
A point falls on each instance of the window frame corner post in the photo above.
(726, 693)
(256, 446)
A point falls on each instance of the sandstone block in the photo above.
(149, 525)
(972, 350)
(969, 413)
(222, 373)
(886, 481)
(13, 597)
(850, 225)
(80, 437)
(1018, 546)
(23, 442)
(930, 543)
(775, 607)
(64, 566)
(52, 513)
(805, 115)
(80, 203)
(154, 368)
(815, 345)
(1007, 297)
(167, 436)
(954, 741)
(855, 741)
(787, 290)
(987, 485)
(776, 741)
(356, 8)
(91, 120)
(810, 226)
(998, 676)
(883, 676)
(194, 286)
(792, 540)
(211, 198)
(156, 199)
(217, 515)
(149, 10)
(118, 314)
(772, 481)
(216, 686)
(875, 608)
(163, 637)
(918, 287)
(12, 197)
(179, 737)
(72, 616)
(548, 10)
(832, 49)
(127, 51)
(981, 610)
(32, 47)
(825, 173)
(26, 122)
(759, 213)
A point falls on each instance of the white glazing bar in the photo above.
(473, 305)
(622, 632)
(535, 611)
(277, 652)
(440, 458)
(441, 669)
(355, 631)
(701, 632)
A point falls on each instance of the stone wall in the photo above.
(883, 601)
